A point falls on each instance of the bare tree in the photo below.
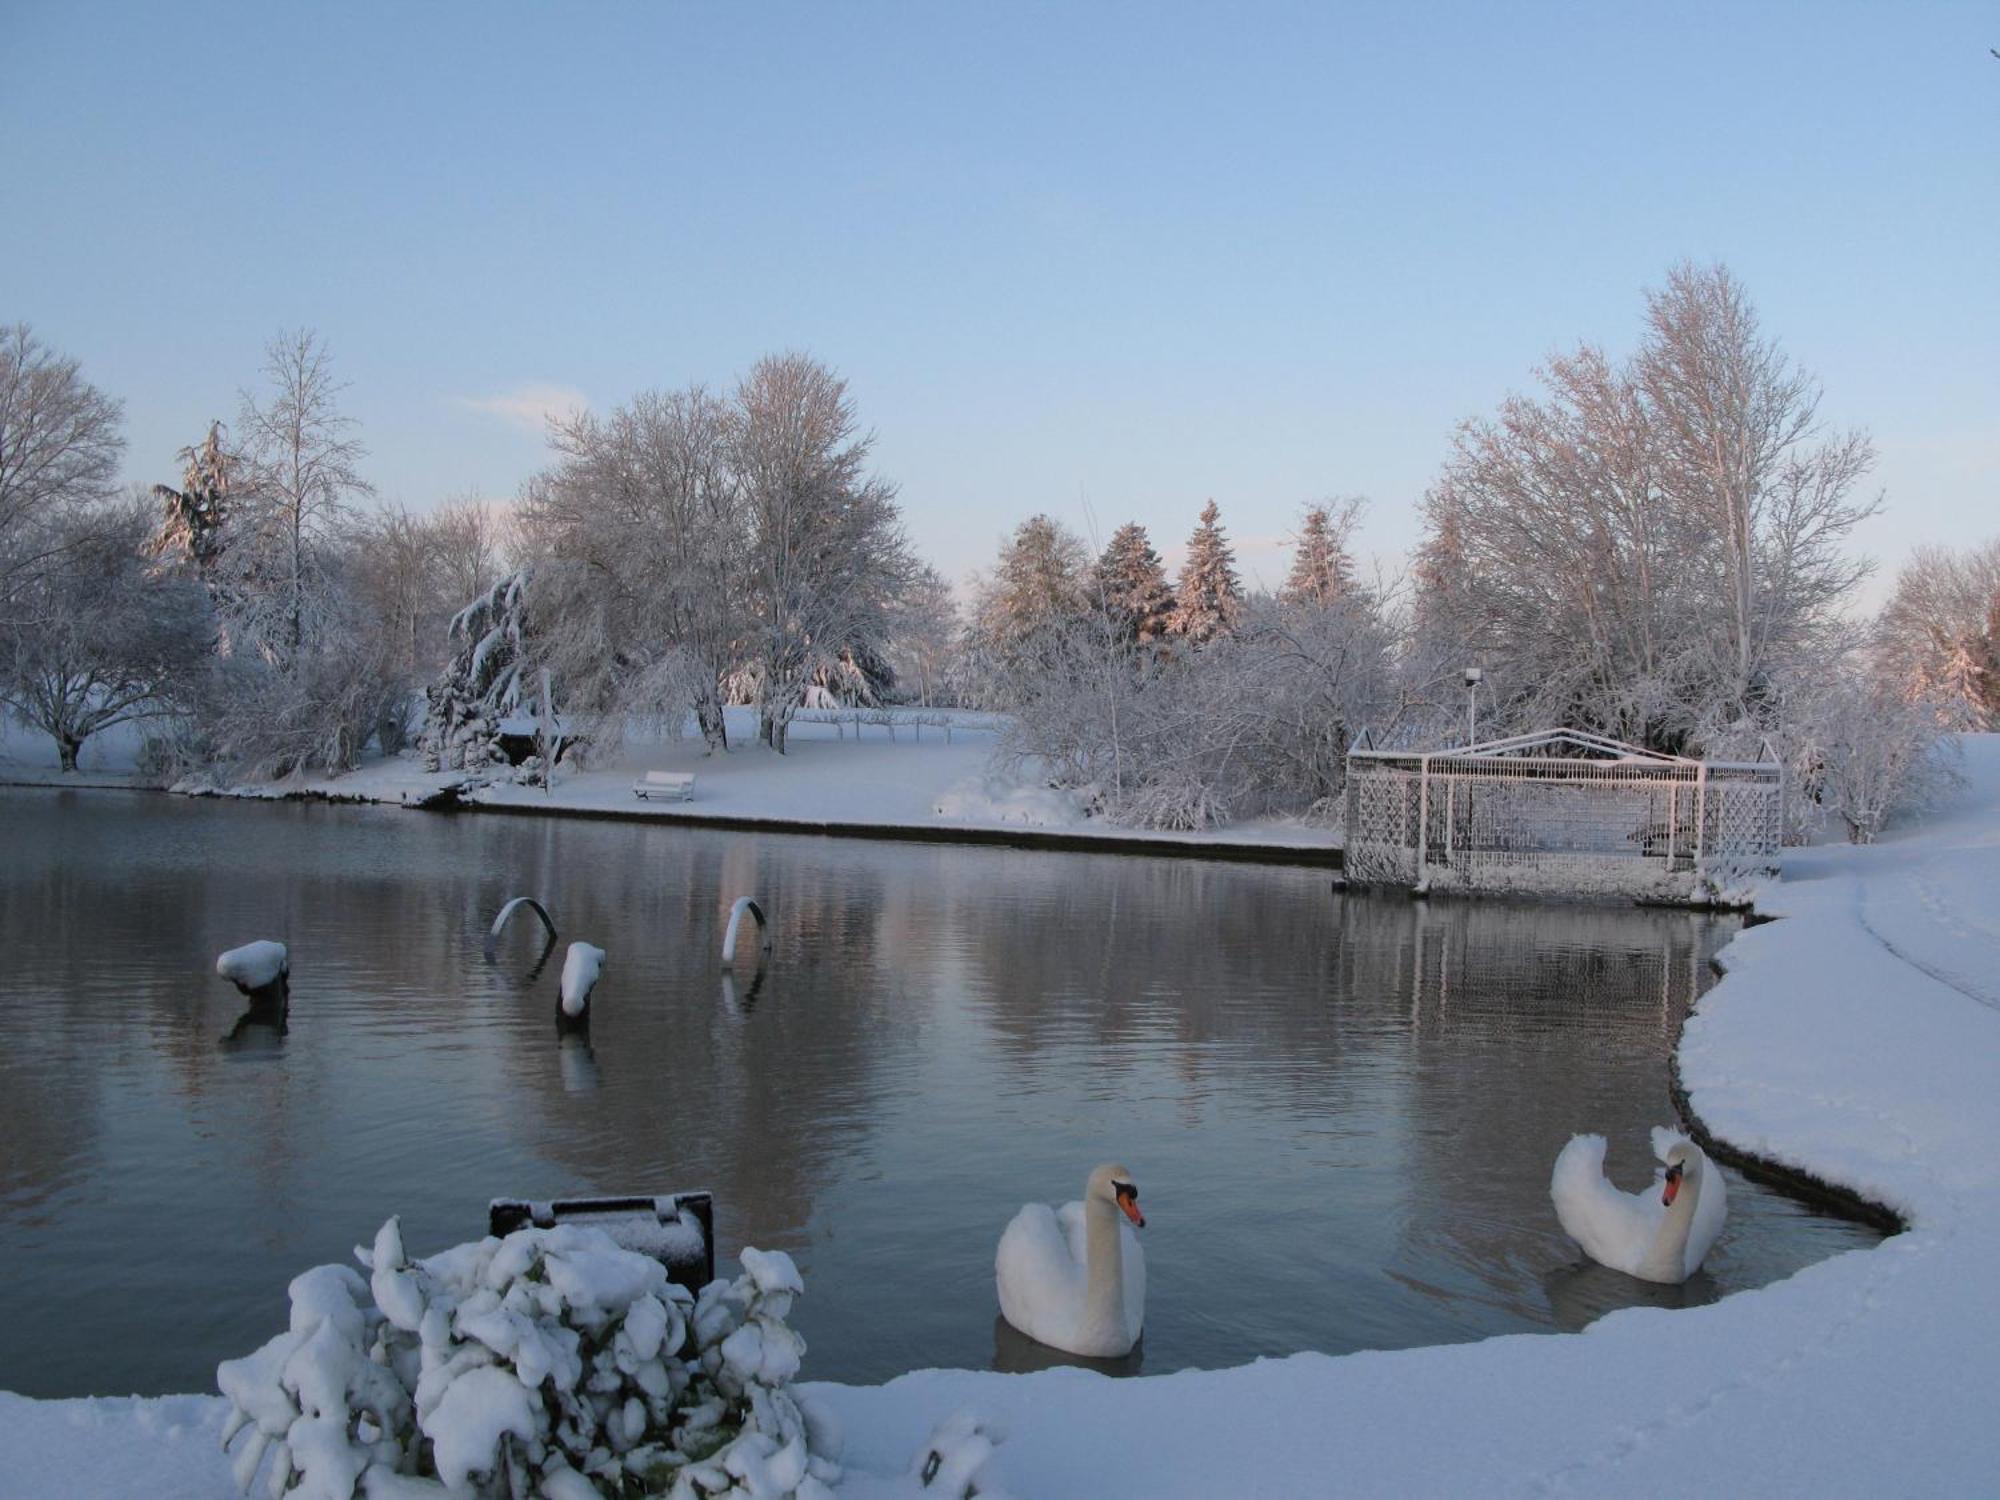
(470, 537)
(301, 481)
(924, 638)
(1733, 424)
(826, 553)
(102, 639)
(59, 450)
(1648, 551)
(1939, 634)
(642, 525)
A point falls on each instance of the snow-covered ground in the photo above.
(832, 777)
(1858, 1039)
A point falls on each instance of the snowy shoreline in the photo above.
(827, 785)
(1856, 1041)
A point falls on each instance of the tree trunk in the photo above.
(67, 746)
(708, 714)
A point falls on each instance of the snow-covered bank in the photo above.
(902, 776)
(1859, 1040)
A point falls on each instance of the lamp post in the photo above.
(1473, 677)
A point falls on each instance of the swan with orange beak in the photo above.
(1661, 1238)
(1076, 1279)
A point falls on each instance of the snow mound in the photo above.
(985, 799)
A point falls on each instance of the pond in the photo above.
(1341, 1110)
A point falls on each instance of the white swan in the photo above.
(1076, 1280)
(1662, 1234)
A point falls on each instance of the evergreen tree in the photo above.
(1209, 599)
(1322, 571)
(191, 529)
(1131, 585)
(1038, 581)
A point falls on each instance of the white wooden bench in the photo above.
(678, 785)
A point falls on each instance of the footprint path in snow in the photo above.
(1884, 1270)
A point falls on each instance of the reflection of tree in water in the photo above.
(1492, 987)
(753, 1100)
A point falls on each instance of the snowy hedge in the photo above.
(549, 1363)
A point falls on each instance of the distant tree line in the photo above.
(1658, 549)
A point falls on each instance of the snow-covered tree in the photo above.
(825, 558)
(1651, 550)
(294, 493)
(1939, 634)
(1038, 579)
(550, 1362)
(1208, 599)
(1322, 567)
(191, 524)
(643, 516)
(1733, 438)
(486, 680)
(1129, 583)
(59, 450)
(1866, 751)
(98, 637)
(925, 644)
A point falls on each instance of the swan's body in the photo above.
(581, 966)
(262, 970)
(1662, 1234)
(1076, 1279)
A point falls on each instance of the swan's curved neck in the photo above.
(1104, 1265)
(1668, 1253)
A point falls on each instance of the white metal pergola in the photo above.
(1558, 812)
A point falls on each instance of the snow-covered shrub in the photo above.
(549, 1363)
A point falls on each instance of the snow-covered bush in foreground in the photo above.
(550, 1363)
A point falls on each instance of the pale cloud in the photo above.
(530, 406)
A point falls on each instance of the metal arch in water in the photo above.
(499, 922)
(744, 904)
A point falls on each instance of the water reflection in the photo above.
(580, 1073)
(1579, 1294)
(1342, 1109)
(1014, 1353)
(261, 1028)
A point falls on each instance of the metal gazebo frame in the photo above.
(1559, 812)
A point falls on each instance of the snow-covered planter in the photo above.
(549, 1363)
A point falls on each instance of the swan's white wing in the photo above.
(1135, 1279)
(1039, 1277)
(1710, 1209)
(1615, 1228)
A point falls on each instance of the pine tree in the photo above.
(1322, 571)
(1131, 585)
(1039, 580)
(1209, 599)
(191, 530)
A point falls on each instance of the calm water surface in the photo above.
(1341, 1111)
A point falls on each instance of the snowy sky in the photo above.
(1104, 261)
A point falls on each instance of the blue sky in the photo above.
(1104, 261)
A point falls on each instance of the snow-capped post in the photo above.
(261, 971)
(581, 968)
(745, 905)
(546, 734)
